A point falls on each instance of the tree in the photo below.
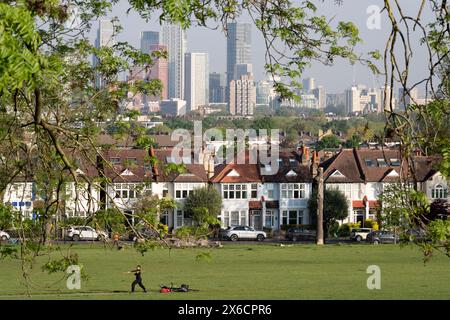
(6, 216)
(204, 198)
(335, 207)
(327, 142)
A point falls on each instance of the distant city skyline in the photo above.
(335, 79)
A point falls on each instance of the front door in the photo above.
(256, 219)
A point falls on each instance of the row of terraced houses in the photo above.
(250, 197)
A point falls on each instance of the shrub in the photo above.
(345, 229)
(369, 223)
(268, 231)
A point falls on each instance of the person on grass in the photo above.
(138, 280)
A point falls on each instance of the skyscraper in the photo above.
(242, 96)
(321, 96)
(309, 84)
(148, 38)
(160, 71)
(217, 87)
(239, 47)
(174, 37)
(196, 80)
(105, 38)
(352, 100)
(407, 98)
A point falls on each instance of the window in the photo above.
(234, 218)
(395, 162)
(269, 188)
(184, 190)
(269, 223)
(439, 192)
(179, 218)
(254, 192)
(369, 162)
(114, 160)
(164, 218)
(284, 218)
(234, 191)
(132, 160)
(293, 191)
(226, 218)
(126, 190)
(292, 217)
(382, 163)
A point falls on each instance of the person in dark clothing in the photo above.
(138, 280)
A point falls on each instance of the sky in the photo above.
(335, 79)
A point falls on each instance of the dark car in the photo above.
(415, 235)
(298, 233)
(377, 237)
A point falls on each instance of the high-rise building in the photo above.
(242, 96)
(265, 93)
(352, 100)
(173, 107)
(196, 90)
(105, 38)
(148, 38)
(243, 69)
(239, 47)
(217, 87)
(174, 37)
(160, 71)
(309, 84)
(321, 96)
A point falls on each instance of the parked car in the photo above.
(4, 236)
(77, 233)
(359, 234)
(145, 233)
(299, 233)
(376, 237)
(416, 235)
(235, 233)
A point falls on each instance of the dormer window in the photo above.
(132, 160)
(395, 162)
(114, 161)
(382, 163)
(369, 162)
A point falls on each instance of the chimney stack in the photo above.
(305, 156)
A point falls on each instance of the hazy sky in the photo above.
(335, 79)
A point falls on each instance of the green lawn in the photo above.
(247, 272)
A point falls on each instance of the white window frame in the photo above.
(230, 191)
(293, 191)
(439, 192)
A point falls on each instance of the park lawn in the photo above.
(245, 272)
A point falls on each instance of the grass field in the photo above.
(246, 272)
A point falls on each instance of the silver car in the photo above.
(4, 236)
(236, 233)
(85, 233)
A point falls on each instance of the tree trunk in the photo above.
(319, 237)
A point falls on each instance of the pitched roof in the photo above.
(290, 169)
(345, 162)
(376, 165)
(246, 172)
